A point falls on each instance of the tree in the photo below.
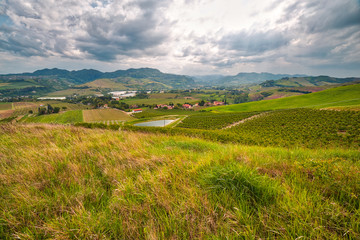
(202, 103)
(64, 108)
(56, 109)
(50, 109)
(244, 97)
(41, 111)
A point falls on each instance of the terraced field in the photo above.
(103, 115)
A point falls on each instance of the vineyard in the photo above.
(212, 121)
(303, 127)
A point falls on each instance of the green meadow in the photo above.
(64, 117)
(340, 96)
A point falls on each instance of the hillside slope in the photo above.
(340, 96)
(307, 81)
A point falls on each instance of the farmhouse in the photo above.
(139, 110)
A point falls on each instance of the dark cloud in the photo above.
(254, 43)
(103, 30)
(322, 15)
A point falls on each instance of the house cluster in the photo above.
(164, 106)
(188, 106)
(217, 103)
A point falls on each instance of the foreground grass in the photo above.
(65, 182)
(340, 96)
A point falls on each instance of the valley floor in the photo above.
(67, 182)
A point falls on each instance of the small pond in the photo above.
(159, 123)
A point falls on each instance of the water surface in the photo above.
(158, 123)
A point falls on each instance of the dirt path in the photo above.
(244, 120)
(179, 121)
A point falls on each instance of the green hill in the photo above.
(340, 96)
(307, 81)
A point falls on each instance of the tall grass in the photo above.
(67, 182)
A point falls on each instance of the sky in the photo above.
(192, 37)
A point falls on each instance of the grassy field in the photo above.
(97, 115)
(64, 117)
(64, 182)
(340, 96)
(23, 108)
(71, 92)
(18, 84)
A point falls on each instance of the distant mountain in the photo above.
(248, 78)
(50, 80)
(207, 79)
(241, 78)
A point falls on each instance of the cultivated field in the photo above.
(64, 118)
(100, 115)
(213, 120)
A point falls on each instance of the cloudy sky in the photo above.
(194, 37)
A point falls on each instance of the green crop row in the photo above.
(287, 128)
(303, 127)
(212, 121)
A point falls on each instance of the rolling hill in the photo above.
(46, 81)
(339, 96)
(241, 78)
(307, 81)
